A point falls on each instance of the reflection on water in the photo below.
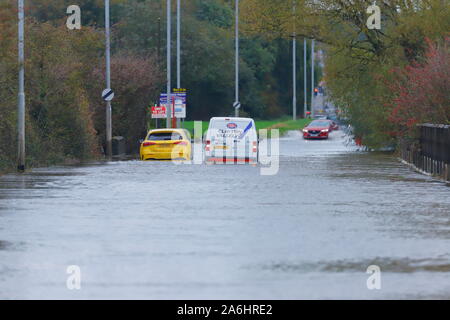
(404, 265)
(156, 230)
(4, 245)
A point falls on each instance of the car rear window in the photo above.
(164, 136)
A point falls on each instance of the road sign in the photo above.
(237, 105)
(175, 95)
(107, 94)
(180, 109)
(179, 97)
(158, 112)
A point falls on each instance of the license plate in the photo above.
(164, 147)
(221, 147)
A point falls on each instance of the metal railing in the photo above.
(431, 153)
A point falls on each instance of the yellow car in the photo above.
(166, 144)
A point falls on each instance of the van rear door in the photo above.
(232, 138)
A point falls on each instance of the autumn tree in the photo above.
(422, 90)
(357, 58)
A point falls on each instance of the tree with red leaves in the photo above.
(422, 90)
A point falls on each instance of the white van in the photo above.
(231, 140)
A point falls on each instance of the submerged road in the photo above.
(161, 231)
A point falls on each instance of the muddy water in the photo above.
(160, 231)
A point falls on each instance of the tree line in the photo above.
(65, 72)
(385, 80)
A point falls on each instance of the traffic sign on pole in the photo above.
(108, 95)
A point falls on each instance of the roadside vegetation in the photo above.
(64, 73)
(385, 81)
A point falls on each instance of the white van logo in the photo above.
(250, 125)
(231, 125)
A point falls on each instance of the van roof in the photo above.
(231, 119)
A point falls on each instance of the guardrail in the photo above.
(431, 153)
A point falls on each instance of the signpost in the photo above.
(178, 105)
(108, 83)
(107, 95)
(175, 95)
(159, 112)
(237, 106)
(178, 110)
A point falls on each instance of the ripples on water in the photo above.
(155, 230)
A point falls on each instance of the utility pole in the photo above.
(178, 51)
(169, 69)
(159, 41)
(21, 96)
(237, 104)
(294, 71)
(108, 82)
(305, 106)
(312, 77)
(294, 75)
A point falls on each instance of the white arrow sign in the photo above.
(107, 94)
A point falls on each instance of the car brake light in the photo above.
(208, 144)
(146, 144)
(183, 143)
(255, 146)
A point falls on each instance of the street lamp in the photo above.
(178, 50)
(169, 60)
(294, 71)
(305, 105)
(108, 81)
(21, 95)
(312, 77)
(237, 104)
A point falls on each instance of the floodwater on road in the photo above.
(156, 230)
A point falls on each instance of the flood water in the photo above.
(157, 230)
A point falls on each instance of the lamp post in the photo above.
(169, 69)
(178, 51)
(237, 104)
(108, 81)
(305, 106)
(21, 95)
(294, 71)
(312, 77)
